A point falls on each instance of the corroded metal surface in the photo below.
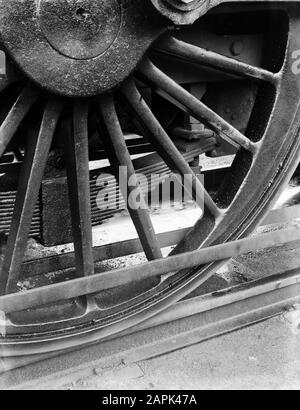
(80, 30)
(78, 48)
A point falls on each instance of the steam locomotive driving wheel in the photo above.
(79, 67)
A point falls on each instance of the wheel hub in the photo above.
(80, 29)
(78, 48)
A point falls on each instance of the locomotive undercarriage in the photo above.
(165, 83)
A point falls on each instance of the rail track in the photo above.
(211, 315)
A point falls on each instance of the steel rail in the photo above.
(88, 285)
(114, 250)
(125, 248)
(210, 315)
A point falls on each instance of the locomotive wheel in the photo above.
(267, 156)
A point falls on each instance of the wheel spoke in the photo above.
(77, 157)
(38, 146)
(165, 146)
(191, 104)
(26, 99)
(198, 55)
(118, 154)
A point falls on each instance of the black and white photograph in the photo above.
(149, 198)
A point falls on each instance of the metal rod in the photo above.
(130, 247)
(211, 59)
(212, 315)
(194, 106)
(108, 280)
(77, 161)
(9, 127)
(166, 147)
(119, 156)
(101, 253)
(38, 147)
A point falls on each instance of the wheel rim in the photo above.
(260, 159)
